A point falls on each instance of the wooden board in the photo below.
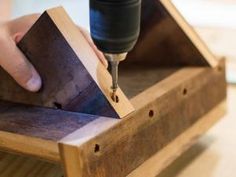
(158, 162)
(73, 77)
(166, 39)
(38, 130)
(37, 168)
(12, 165)
(156, 122)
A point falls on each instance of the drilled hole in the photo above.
(57, 105)
(151, 113)
(96, 148)
(115, 98)
(219, 68)
(185, 91)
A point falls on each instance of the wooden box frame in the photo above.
(173, 108)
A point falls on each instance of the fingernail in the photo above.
(34, 84)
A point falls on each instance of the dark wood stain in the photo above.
(48, 124)
(66, 81)
(172, 118)
(162, 42)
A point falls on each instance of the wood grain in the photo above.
(73, 77)
(164, 111)
(158, 162)
(166, 39)
(19, 166)
(35, 168)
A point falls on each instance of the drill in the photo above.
(115, 27)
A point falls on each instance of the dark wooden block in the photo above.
(73, 77)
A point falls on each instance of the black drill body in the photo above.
(115, 24)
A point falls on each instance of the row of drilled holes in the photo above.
(151, 114)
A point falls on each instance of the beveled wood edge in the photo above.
(89, 59)
(190, 32)
(158, 162)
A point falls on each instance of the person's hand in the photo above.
(12, 59)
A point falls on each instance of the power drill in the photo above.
(115, 27)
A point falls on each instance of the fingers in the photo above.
(91, 43)
(15, 63)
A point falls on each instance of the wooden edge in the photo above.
(189, 31)
(48, 150)
(44, 149)
(153, 166)
(89, 59)
(154, 98)
(102, 125)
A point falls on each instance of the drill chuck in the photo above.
(115, 24)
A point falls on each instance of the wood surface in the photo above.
(12, 165)
(166, 39)
(158, 162)
(163, 112)
(166, 106)
(33, 167)
(73, 77)
(36, 131)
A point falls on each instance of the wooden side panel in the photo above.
(164, 111)
(60, 53)
(157, 163)
(166, 39)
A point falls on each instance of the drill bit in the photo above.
(114, 74)
(113, 61)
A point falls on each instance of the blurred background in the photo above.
(215, 21)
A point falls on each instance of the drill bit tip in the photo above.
(114, 97)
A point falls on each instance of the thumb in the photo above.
(15, 63)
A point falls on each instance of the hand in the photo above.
(12, 59)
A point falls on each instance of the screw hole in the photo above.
(57, 105)
(115, 98)
(185, 91)
(96, 148)
(151, 113)
(219, 68)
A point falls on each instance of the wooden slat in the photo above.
(164, 111)
(73, 77)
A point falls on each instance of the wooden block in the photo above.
(73, 77)
(166, 39)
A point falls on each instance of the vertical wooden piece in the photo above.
(73, 77)
(166, 39)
